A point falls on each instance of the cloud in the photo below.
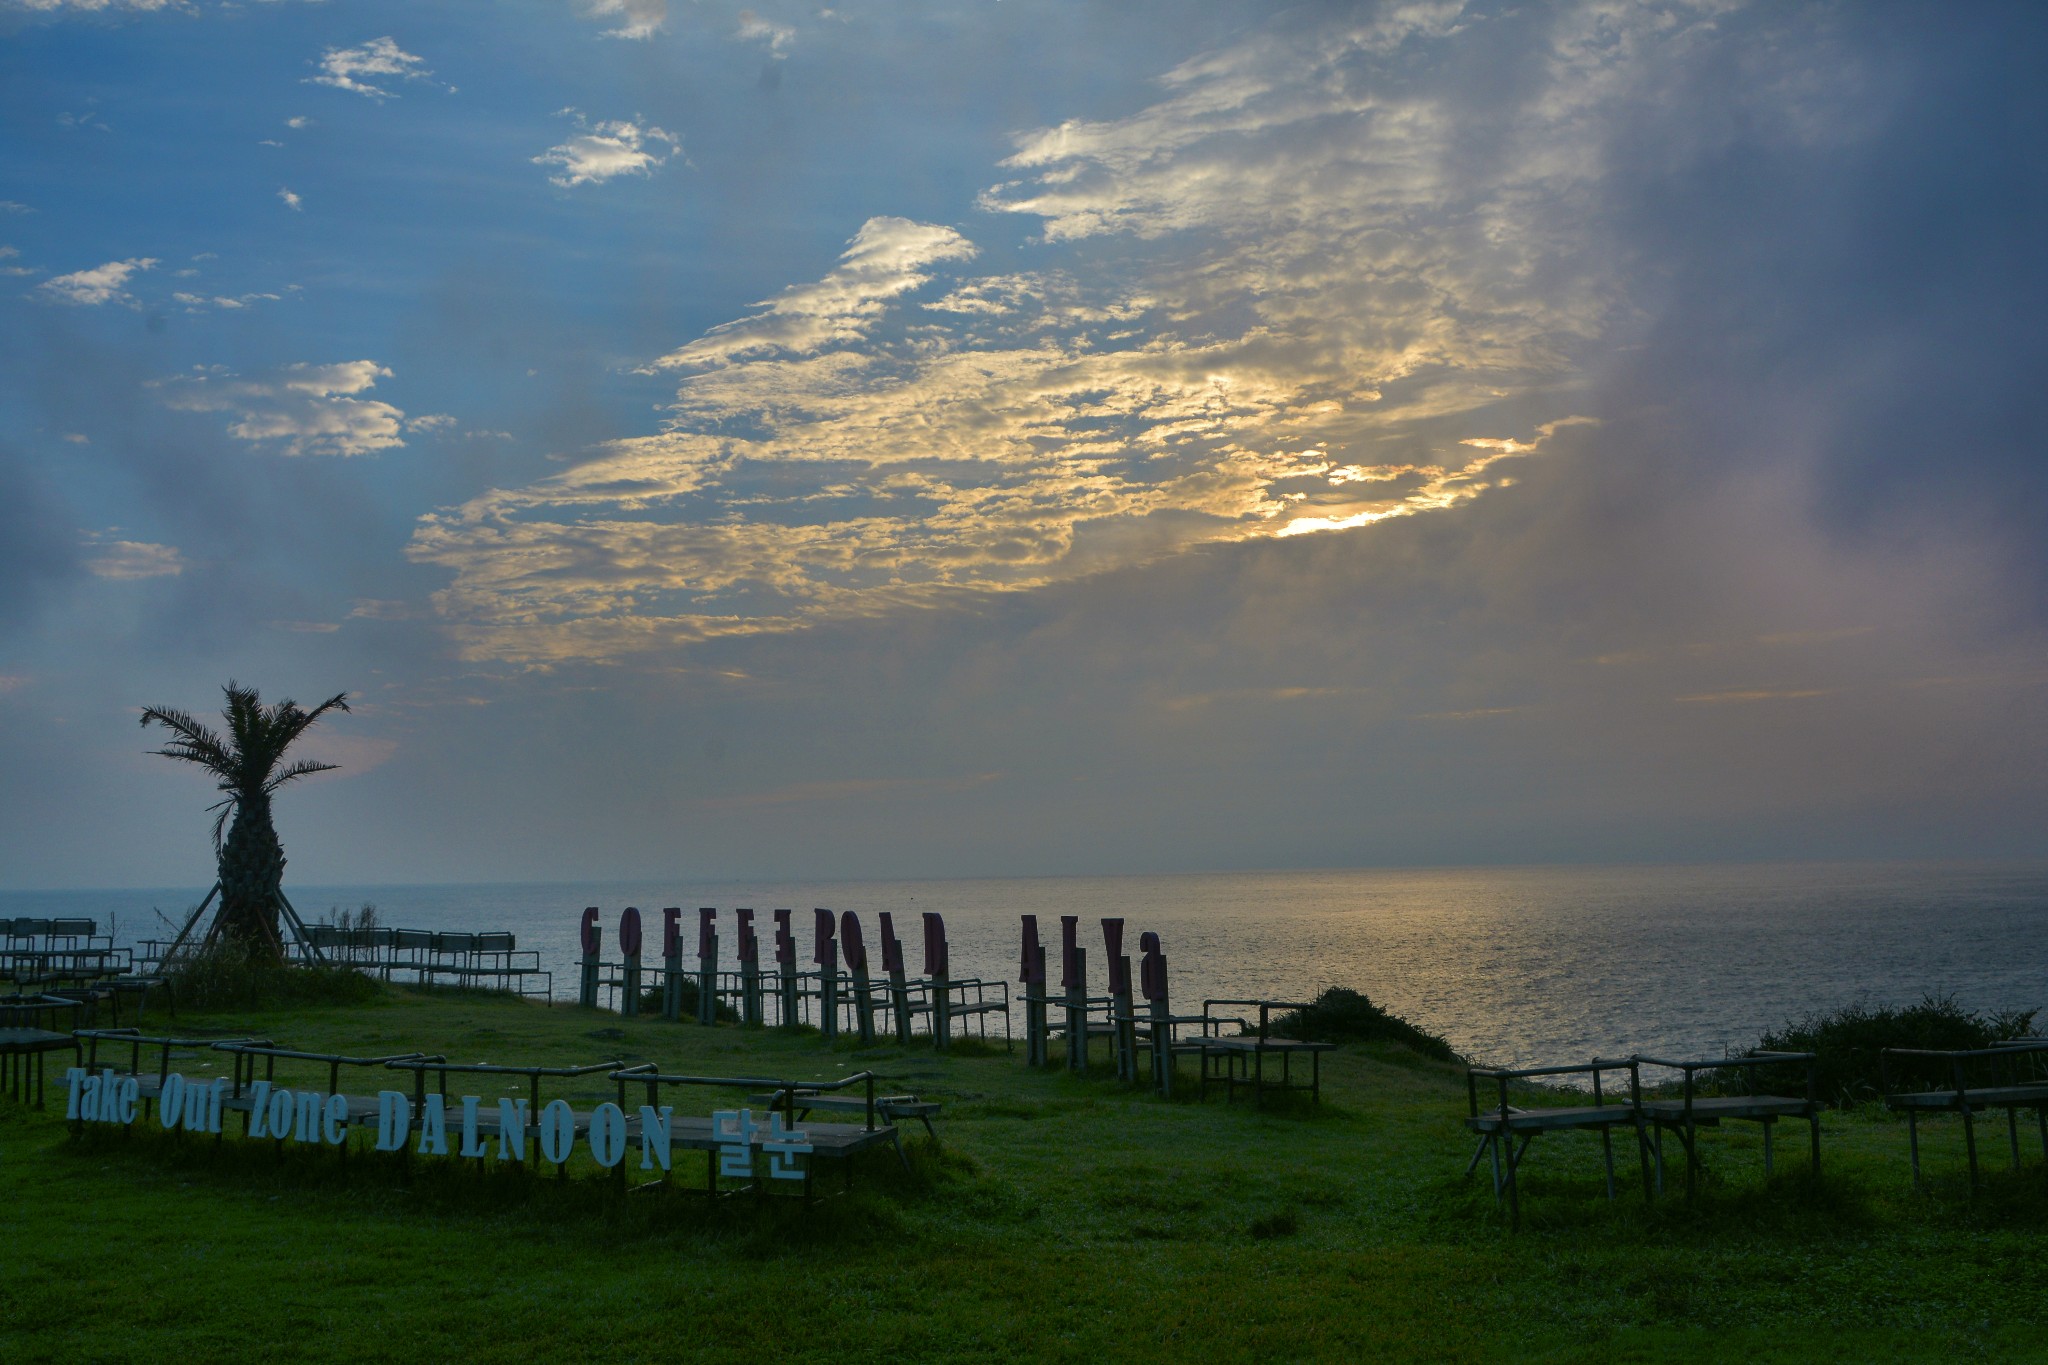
(107, 557)
(887, 258)
(101, 284)
(1329, 279)
(95, 6)
(755, 29)
(603, 151)
(297, 121)
(302, 409)
(290, 200)
(345, 67)
(633, 18)
(199, 303)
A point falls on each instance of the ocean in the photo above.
(1523, 965)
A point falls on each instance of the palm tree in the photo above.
(246, 760)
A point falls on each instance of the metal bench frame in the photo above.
(1498, 1127)
(1961, 1097)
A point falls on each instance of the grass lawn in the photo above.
(1063, 1218)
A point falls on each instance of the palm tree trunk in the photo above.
(251, 869)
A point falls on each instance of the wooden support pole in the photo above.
(1152, 983)
(854, 945)
(1126, 1028)
(751, 1013)
(299, 930)
(899, 987)
(707, 964)
(1162, 1044)
(826, 954)
(785, 970)
(629, 949)
(672, 963)
(1122, 1028)
(1077, 1012)
(592, 939)
(190, 920)
(937, 967)
(1037, 1027)
(1031, 975)
(864, 1006)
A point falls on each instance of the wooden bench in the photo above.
(1500, 1126)
(1691, 1112)
(959, 1005)
(890, 1107)
(2010, 1076)
(26, 1038)
(837, 1141)
(1243, 1055)
(832, 1141)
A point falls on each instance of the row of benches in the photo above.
(1915, 1082)
(27, 932)
(1230, 1050)
(490, 959)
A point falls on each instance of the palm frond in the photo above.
(195, 743)
(242, 758)
(288, 722)
(220, 822)
(245, 718)
(299, 769)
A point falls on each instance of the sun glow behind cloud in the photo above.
(1337, 309)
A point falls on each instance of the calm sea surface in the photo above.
(1513, 965)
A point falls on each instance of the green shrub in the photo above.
(1847, 1040)
(650, 1003)
(1345, 1016)
(235, 976)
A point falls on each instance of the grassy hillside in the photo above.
(1063, 1218)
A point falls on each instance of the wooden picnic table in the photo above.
(2017, 1081)
(1691, 1112)
(25, 1039)
(1499, 1126)
(1243, 1055)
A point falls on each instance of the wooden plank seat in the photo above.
(978, 999)
(1180, 1045)
(891, 1107)
(1552, 1120)
(2011, 1076)
(839, 1141)
(1500, 1126)
(1691, 1111)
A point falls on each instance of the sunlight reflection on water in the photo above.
(1513, 965)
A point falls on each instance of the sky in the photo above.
(1019, 437)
